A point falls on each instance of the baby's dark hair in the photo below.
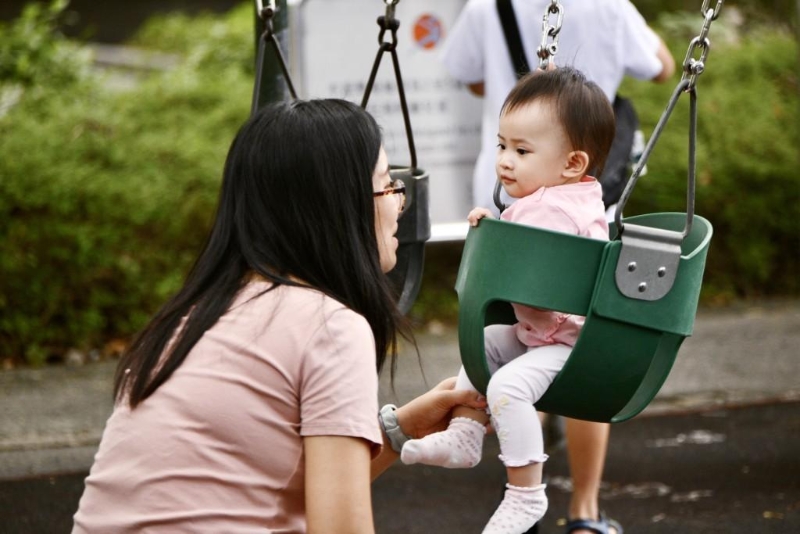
(580, 106)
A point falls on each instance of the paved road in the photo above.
(717, 451)
(732, 471)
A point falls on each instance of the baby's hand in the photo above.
(477, 214)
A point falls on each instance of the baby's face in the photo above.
(532, 151)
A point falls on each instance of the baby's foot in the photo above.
(520, 510)
(459, 446)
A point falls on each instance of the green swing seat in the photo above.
(627, 346)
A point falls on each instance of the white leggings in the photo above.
(520, 376)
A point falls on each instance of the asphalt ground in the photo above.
(733, 471)
(717, 451)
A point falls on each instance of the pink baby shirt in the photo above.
(573, 209)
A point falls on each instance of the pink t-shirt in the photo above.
(573, 209)
(219, 446)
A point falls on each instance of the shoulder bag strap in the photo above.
(513, 39)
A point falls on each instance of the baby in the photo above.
(556, 129)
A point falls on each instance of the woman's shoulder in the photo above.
(299, 320)
(302, 305)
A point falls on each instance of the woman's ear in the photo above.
(577, 164)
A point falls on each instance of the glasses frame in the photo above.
(395, 187)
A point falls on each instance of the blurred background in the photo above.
(115, 118)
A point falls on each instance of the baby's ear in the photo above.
(577, 164)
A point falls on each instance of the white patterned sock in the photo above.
(461, 445)
(520, 510)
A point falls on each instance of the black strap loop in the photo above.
(391, 24)
(268, 35)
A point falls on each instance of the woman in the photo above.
(249, 402)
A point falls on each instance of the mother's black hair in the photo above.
(295, 207)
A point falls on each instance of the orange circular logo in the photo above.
(428, 31)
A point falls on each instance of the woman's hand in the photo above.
(424, 415)
(431, 411)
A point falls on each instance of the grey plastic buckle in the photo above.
(648, 262)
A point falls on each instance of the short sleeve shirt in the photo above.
(219, 446)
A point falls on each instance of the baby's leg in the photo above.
(511, 394)
(461, 445)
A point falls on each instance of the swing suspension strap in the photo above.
(389, 23)
(550, 33)
(649, 258)
(266, 14)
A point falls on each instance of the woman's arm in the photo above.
(338, 498)
(424, 415)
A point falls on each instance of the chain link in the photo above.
(694, 66)
(547, 50)
(390, 8)
(704, 9)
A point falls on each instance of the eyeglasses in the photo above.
(395, 187)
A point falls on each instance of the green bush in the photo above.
(105, 197)
(33, 53)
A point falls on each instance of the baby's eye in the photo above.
(521, 151)
(501, 146)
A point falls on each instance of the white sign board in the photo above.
(333, 48)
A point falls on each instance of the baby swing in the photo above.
(639, 291)
(414, 227)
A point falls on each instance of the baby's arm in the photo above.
(477, 214)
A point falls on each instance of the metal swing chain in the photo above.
(547, 50)
(266, 13)
(390, 23)
(692, 68)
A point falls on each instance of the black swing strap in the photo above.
(389, 22)
(266, 13)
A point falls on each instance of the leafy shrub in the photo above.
(206, 41)
(105, 199)
(34, 54)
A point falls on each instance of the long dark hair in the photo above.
(580, 105)
(295, 207)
